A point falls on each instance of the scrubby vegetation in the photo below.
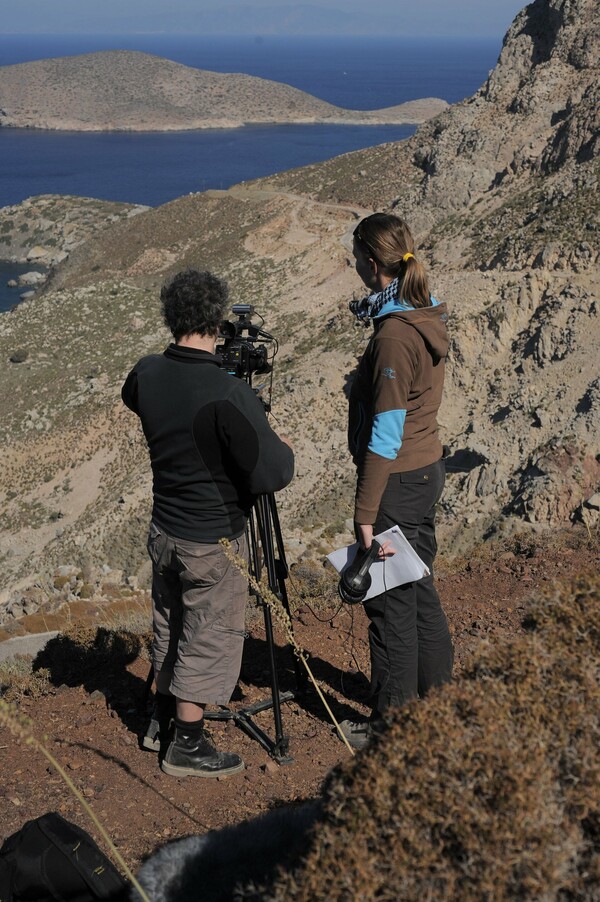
(17, 679)
(544, 225)
(487, 790)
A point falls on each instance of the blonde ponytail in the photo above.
(388, 240)
(414, 284)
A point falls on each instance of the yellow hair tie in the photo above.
(407, 257)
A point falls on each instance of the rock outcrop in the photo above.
(48, 227)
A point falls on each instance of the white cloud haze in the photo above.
(468, 18)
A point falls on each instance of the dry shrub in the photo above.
(17, 679)
(487, 790)
(82, 652)
(313, 582)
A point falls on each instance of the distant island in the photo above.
(122, 90)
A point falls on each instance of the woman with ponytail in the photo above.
(393, 439)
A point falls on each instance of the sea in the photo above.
(153, 168)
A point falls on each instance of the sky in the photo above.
(456, 18)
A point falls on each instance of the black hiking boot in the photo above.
(192, 754)
(359, 733)
(159, 731)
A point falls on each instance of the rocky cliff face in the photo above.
(503, 191)
(536, 113)
(529, 210)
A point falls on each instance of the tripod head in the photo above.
(247, 349)
(355, 581)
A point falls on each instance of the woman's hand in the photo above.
(364, 534)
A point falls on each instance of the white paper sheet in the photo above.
(405, 566)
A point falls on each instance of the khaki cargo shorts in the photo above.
(199, 600)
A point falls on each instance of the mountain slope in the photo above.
(503, 192)
(537, 113)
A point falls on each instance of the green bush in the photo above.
(489, 789)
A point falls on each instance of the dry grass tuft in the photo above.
(311, 581)
(17, 679)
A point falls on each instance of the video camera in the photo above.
(240, 352)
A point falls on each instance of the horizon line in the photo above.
(259, 35)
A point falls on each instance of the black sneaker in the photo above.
(192, 754)
(358, 734)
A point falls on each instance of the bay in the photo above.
(155, 167)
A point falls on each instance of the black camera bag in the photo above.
(52, 860)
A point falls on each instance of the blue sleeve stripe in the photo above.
(386, 433)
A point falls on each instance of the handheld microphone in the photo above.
(355, 581)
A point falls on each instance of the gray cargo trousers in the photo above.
(198, 601)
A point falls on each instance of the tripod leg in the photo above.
(263, 523)
(281, 741)
(266, 538)
(282, 575)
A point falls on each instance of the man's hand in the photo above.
(364, 534)
(286, 441)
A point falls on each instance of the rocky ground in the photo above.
(75, 482)
(89, 717)
(48, 228)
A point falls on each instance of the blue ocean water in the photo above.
(9, 296)
(155, 167)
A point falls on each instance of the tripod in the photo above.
(263, 526)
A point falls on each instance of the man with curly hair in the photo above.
(212, 451)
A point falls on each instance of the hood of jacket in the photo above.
(430, 323)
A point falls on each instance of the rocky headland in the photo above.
(502, 190)
(125, 90)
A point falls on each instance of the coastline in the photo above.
(411, 113)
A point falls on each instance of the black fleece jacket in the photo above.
(211, 447)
